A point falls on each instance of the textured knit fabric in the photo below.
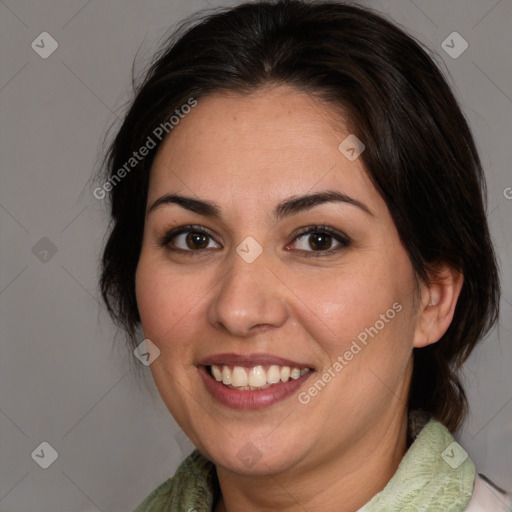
(434, 475)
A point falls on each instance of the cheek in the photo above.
(169, 304)
(344, 305)
(364, 334)
(166, 300)
(366, 311)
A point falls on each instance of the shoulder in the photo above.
(488, 497)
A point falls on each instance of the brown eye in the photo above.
(321, 240)
(188, 239)
(196, 240)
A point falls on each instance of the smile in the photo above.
(256, 377)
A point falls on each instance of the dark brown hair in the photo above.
(419, 154)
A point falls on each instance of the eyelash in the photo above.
(341, 238)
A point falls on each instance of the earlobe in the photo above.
(437, 307)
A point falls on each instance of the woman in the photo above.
(299, 227)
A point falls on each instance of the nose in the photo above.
(249, 299)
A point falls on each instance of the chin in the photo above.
(253, 458)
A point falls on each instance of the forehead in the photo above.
(270, 144)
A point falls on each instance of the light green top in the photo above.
(435, 475)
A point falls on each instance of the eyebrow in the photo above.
(290, 206)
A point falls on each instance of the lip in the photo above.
(250, 399)
(250, 360)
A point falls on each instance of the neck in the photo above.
(333, 484)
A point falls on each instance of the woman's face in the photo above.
(259, 297)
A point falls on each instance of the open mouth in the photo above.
(254, 378)
(255, 381)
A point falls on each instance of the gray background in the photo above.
(65, 378)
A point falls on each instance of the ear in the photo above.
(437, 305)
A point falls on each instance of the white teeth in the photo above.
(285, 373)
(217, 374)
(273, 374)
(295, 373)
(256, 377)
(226, 375)
(239, 377)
